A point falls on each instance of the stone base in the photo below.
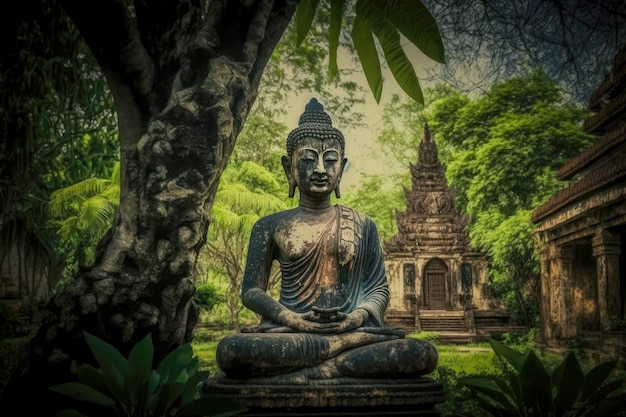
(332, 397)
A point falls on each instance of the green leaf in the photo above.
(415, 22)
(213, 406)
(596, 377)
(368, 55)
(569, 380)
(113, 365)
(389, 38)
(399, 64)
(489, 388)
(83, 392)
(175, 362)
(192, 387)
(535, 384)
(605, 390)
(304, 17)
(92, 377)
(140, 362)
(512, 357)
(160, 398)
(336, 13)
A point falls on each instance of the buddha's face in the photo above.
(317, 166)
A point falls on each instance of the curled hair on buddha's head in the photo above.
(314, 123)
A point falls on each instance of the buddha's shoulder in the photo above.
(275, 219)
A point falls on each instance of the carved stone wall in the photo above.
(581, 230)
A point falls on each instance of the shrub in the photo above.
(529, 389)
(131, 388)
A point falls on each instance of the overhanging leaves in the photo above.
(386, 20)
(336, 12)
(366, 49)
(415, 22)
(304, 17)
(389, 38)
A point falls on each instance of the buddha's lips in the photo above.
(320, 181)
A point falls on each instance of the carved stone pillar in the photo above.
(566, 314)
(606, 249)
(546, 290)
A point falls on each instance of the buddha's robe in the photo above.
(354, 279)
(360, 281)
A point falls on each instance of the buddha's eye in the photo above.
(331, 156)
(308, 156)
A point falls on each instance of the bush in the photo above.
(528, 389)
(131, 388)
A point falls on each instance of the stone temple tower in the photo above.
(430, 264)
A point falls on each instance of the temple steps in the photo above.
(443, 321)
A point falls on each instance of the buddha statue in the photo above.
(328, 320)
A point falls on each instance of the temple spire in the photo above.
(427, 151)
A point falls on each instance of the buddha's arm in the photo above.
(256, 275)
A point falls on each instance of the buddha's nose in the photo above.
(319, 167)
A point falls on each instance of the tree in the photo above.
(54, 111)
(573, 41)
(184, 76)
(378, 197)
(505, 148)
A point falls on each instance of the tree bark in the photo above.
(183, 88)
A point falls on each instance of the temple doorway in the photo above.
(435, 273)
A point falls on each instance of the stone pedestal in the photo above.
(297, 396)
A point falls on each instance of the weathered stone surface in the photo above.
(333, 397)
(581, 233)
(405, 357)
(430, 263)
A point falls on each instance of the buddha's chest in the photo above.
(298, 240)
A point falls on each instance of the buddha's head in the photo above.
(315, 153)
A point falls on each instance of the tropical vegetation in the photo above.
(166, 101)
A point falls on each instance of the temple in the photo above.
(436, 280)
(581, 233)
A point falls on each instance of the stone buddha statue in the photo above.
(328, 320)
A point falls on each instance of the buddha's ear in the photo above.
(343, 165)
(286, 161)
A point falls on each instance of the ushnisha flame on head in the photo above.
(314, 123)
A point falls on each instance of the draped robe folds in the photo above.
(354, 279)
(361, 281)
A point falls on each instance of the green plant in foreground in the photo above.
(528, 389)
(132, 388)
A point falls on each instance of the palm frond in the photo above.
(95, 216)
(60, 199)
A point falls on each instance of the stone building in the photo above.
(581, 233)
(437, 281)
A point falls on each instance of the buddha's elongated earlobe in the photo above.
(286, 161)
(292, 188)
(344, 161)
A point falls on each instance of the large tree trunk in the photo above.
(183, 87)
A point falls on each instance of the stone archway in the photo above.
(435, 285)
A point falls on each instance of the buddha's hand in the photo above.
(346, 322)
(299, 322)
